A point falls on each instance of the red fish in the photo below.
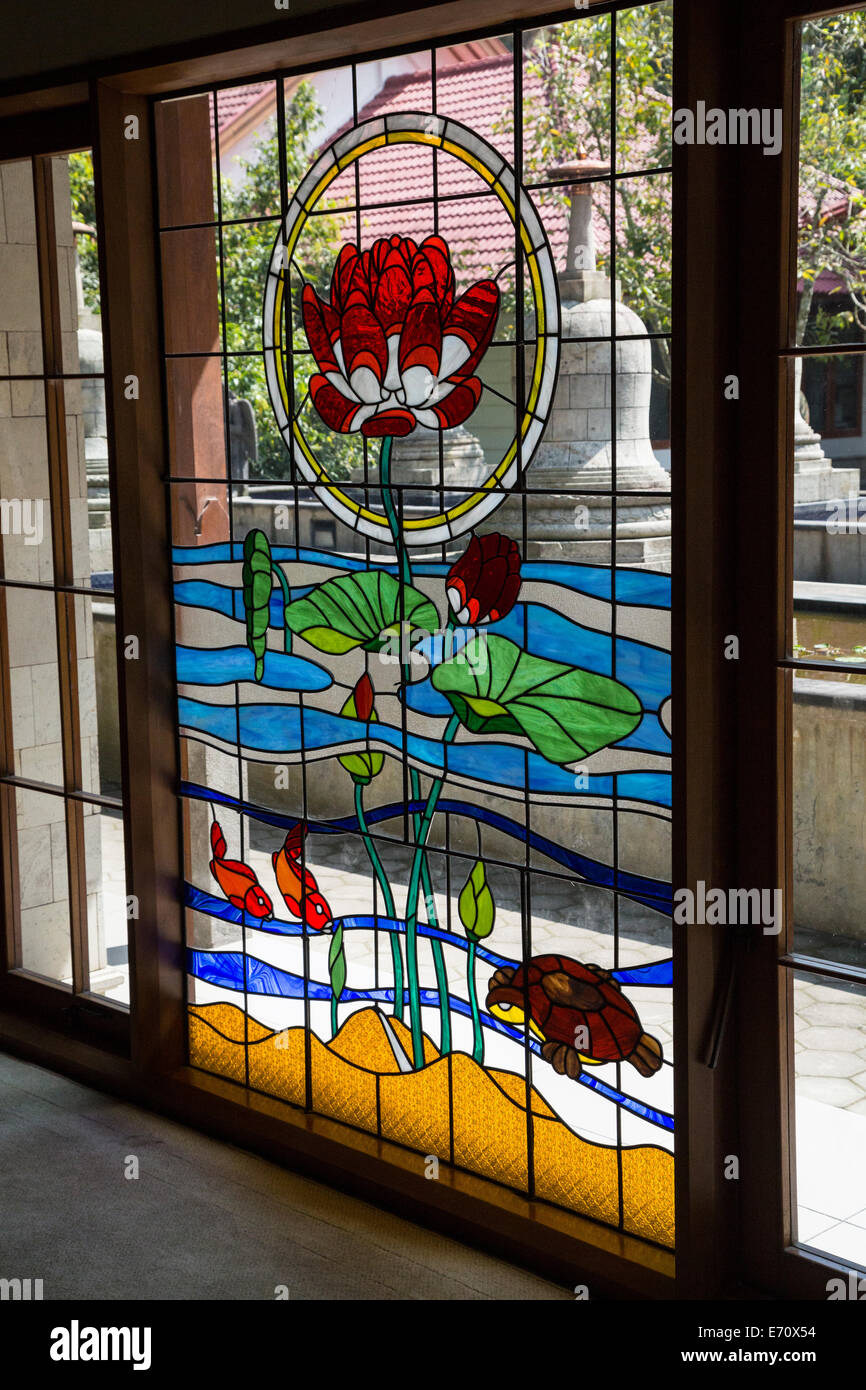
(297, 884)
(237, 880)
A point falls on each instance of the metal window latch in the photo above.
(724, 993)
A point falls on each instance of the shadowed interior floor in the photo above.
(203, 1220)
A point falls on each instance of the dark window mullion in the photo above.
(831, 969)
(10, 898)
(64, 565)
(82, 589)
(110, 803)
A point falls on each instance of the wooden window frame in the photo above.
(728, 742)
(765, 272)
(72, 1008)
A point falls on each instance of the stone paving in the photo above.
(830, 1044)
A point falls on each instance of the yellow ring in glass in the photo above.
(416, 530)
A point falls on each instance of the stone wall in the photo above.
(833, 553)
(32, 648)
(829, 787)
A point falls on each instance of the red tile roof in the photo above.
(478, 92)
(477, 228)
(233, 102)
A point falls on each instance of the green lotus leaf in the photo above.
(475, 903)
(360, 610)
(565, 712)
(257, 576)
(362, 767)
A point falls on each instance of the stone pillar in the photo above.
(568, 520)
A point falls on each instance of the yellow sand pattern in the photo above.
(357, 1077)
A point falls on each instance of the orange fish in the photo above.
(237, 880)
(297, 884)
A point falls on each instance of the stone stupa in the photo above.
(576, 460)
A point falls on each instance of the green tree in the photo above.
(572, 63)
(246, 251)
(832, 221)
(83, 196)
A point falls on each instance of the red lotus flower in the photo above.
(482, 586)
(394, 347)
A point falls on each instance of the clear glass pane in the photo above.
(246, 120)
(566, 90)
(830, 1071)
(92, 437)
(25, 505)
(97, 696)
(190, 280)
(75, 193)
(832, 204)
(643, 253)
(77, 256)
(196, 417)
(187, 179)
(20, 313)
(829, 809)
(34, 684)
(43, 885)
(641, 401)
(108, 912)
(644, 86)
(493, 100)
(248, 248)
(829, 450)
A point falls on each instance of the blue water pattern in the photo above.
(651, 892)
(224, 665)
(638, 587)
(548, 628)
(542, 630)
(658, 972)
(285, 729)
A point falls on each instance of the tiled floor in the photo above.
(830, 1053)
(830, 1044)
(202, 1220)
(831, 1179)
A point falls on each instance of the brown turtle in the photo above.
(579, 1013)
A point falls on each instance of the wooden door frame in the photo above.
(72, 1009)
(762, 766)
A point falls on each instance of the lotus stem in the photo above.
(287, 598)
(337, 974)
(412, 904)
(334, 1019)
(391, 515)
(477, 1035)
(433, 919)
(405, 571)
(387, 897)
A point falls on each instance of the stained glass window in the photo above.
(416, 325)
